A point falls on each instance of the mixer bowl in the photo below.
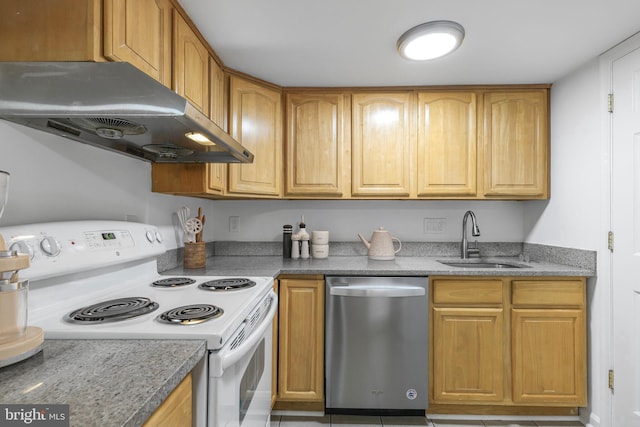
(13, 310)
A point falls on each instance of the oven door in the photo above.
(240, 375)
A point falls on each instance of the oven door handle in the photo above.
(233, 356)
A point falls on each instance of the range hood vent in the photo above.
(114, 106)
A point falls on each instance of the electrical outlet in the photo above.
(435, 225)
(234, 224)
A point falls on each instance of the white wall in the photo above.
(263, 220)
(573, 216)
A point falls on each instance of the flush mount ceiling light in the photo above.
(430, 40)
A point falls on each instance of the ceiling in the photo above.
(353, 42)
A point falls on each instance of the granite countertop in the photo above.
(104, 382)
(273, 266)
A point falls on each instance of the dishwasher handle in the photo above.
(371, 291)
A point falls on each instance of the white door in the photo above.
(625, 213)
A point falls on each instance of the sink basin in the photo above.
(481, 263)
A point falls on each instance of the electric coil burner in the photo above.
(227, 284)
(112, 310)
(173, 282)
(191, 314)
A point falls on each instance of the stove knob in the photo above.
(50, 246)
(159, 237)
(150, 236)
(22, 248)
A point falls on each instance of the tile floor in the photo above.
(373, 421)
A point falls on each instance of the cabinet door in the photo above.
(138, 32)
(468, 358)
(53, 30)
(383, 139)
(216, 172)
(256, 122)
(548, 322)
(516, 144)
(301, 340)
(317, 145)
(548, 357)
(446, 144)
(190, 65)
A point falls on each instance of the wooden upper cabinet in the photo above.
(383, 135)
(53, 30)
(216, 172)
(135, 31)
(139, 32)
(446, 144)
(317, 145)
(197, 179)
(256, 122)
(516, 144)
(190, 65)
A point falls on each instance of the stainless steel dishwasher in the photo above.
(376, 357)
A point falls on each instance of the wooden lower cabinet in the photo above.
(468, 354)
(301, 343)
(507, 345)
(467, 347)
(548, 325)
(176, 410)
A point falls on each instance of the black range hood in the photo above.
(114, 106)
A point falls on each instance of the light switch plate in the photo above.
(234, 224)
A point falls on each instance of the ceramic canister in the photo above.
(320, 237)
(319, 251)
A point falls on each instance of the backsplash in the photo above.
(537, 253)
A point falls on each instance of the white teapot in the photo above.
(381, 246)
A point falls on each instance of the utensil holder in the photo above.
(195, 255)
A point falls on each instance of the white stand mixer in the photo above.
(17, 340)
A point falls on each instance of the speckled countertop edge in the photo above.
(350, 258)
(272, 266)
(106, 383)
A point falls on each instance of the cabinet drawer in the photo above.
(548, 293)
(468, 292)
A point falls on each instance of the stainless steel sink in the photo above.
(481, 263)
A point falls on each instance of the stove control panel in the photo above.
(110, 239)
(58, 248)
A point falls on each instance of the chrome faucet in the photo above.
(465, 250)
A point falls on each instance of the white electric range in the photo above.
(99, 280)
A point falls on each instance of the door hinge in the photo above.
(610, 241)
(610, 103)
(611, 379)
